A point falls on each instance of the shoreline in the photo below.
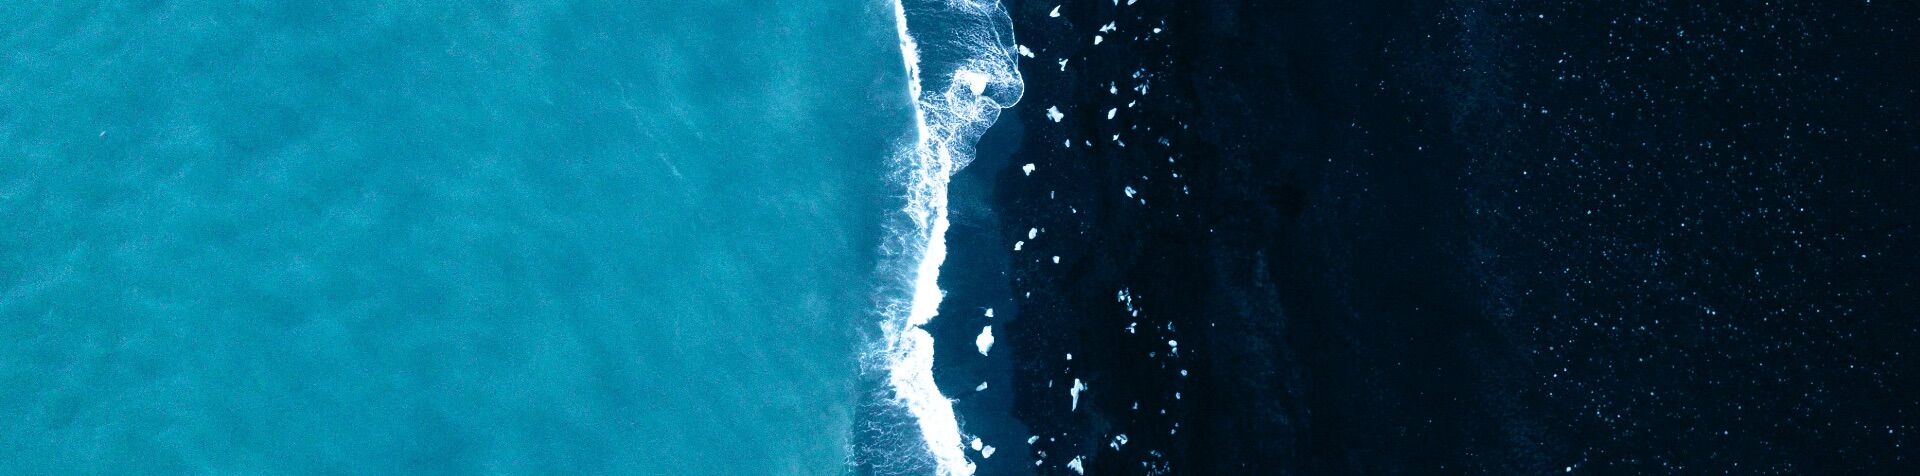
(976, 281)
(968, 77)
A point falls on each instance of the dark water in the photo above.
(1463, 237)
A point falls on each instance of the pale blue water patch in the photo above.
(445, 237)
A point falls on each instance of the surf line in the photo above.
(946, 125)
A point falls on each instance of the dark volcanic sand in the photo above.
(1619, 237)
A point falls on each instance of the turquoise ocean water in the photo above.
(442, 237)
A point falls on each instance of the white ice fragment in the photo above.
(1025, 52)
(1173, 343)
(1032, 439)
(1096, 39)
(1107, 28)
(976, 444)
(986, 452)
(1111, 112)
(981, 388)
(1054, 114)
(1075, 465)
(1055, 13)
(1078, 387)
(1063, 65)
(989, 312)
(1018, 244)
(1032, 232)
(985, 340)
(976, 81)
(1056, 260)
(1027, 168)
(1130, 191)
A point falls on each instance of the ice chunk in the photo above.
(976, 444)
(1054, 114)
(1027, 168)
(1025, 52)
(985, 340)
(1032, 232)
(976, 81)
(1078, 387)
(1077, 466)
(981, 388)
(1055, 13)
(1112, 112)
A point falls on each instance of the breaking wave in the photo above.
(961, 71)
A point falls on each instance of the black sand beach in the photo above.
(1465, 237)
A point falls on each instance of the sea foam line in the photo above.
(947, 123)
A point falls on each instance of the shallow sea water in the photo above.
(564, 236)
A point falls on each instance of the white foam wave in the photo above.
(974, 76)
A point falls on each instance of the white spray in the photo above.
(947, 123)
